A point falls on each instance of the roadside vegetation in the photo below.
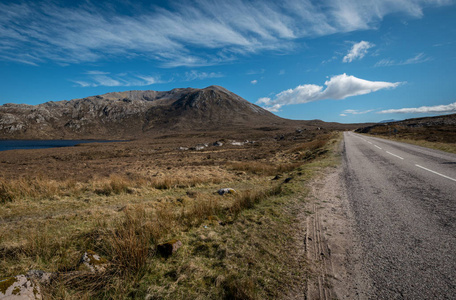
(236, 246)
(442, 146)
(426, 133)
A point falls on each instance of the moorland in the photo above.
(121, 201)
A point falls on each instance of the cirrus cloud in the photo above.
(337, 87)
(417, 59)
(99, 78)
(186, 33)
(437, 109)
(354, 112)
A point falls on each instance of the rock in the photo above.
(93, 262)
(226, 191)
(277, 177)
(40, 277)
(19, 288)
(200, 147)
(169, 248)
(287, 180)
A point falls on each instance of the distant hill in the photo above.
(388, 121)
(435, 129)
(133, 114)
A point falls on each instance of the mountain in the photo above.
(131, 114)
(388, 121)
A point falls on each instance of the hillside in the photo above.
(133, 114)
(432, 129)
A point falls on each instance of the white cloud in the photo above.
(99, 78)
(438, 109)
(188, 33)
(337, 87)
(94, 72)
(254, 81)
(355, 112)
(195, 75)
(417, 59)
(358, 51)
(264, 100)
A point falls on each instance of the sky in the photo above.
(345, 61)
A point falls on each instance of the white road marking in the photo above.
(447, 177)
(394, 155)
(378, 147)
(369, 142)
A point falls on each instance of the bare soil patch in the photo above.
(329, 245)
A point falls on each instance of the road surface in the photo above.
(403, 200)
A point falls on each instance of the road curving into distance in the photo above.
(403, 200)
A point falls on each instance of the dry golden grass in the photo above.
(131, 240)
(442, 146)
(232, 244)
(263, 168)
(311, 146)
(42, 188)
(11, 190)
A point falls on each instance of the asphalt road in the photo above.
(403, 200)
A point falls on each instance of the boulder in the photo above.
(19, 288)
(93, 262)
(228, 191)
(169, 248)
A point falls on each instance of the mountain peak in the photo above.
(127, 114)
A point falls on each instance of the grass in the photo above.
(236, 246)
(263, 168)
(447, 147)
(44, 188)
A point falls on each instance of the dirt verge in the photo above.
(331, 248)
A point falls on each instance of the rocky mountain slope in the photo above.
(133, 114)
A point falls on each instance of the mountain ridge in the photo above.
(131, 114)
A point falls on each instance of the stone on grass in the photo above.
(228, 191)
(19, 288)
(277, 177)
(40, 277)
(169, 248)
(287, 180)
(93, 262)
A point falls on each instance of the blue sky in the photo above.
(335, 60)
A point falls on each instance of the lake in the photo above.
(41, 144)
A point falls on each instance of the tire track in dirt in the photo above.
(332, 251)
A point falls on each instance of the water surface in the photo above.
(41, 144)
